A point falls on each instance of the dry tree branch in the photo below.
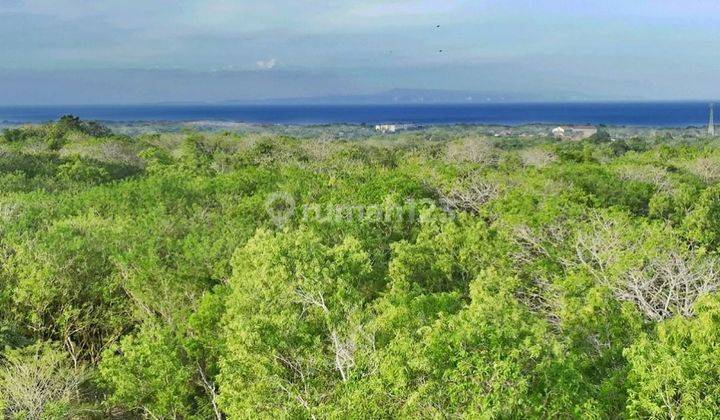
(667, 284)
(470, 195)
(211, 389)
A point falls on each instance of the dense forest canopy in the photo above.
(435, 273)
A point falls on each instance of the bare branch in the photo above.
(211, 390)
(471, 195)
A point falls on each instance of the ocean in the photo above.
(658, 114)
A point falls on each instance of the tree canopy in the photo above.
(438, 273)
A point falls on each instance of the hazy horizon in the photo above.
(348, 101)
(115, 52)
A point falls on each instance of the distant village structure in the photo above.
(392, 128)
(503, 133)
(558, 132)
(575, 132)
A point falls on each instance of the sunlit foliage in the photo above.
(439, 273)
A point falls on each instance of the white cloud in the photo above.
(266, 64)
(405, 8)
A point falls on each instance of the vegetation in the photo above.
(432, 274)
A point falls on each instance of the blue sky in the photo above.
(132, 51)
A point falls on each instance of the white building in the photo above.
(392, 128)
(386, 128)
(574, 132)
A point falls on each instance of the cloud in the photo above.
(607, 47)
(405, 8)
(266, 64)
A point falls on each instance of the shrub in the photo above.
(40, 381)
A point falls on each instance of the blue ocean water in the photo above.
(661, 114)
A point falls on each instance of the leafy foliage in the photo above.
(440, 274)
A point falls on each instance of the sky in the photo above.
(148, 51)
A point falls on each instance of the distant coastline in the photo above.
(647, 114)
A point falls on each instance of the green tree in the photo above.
(145, 374)
(674, 371)
(703, 223)
(294, 324)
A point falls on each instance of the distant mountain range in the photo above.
(415, 97)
